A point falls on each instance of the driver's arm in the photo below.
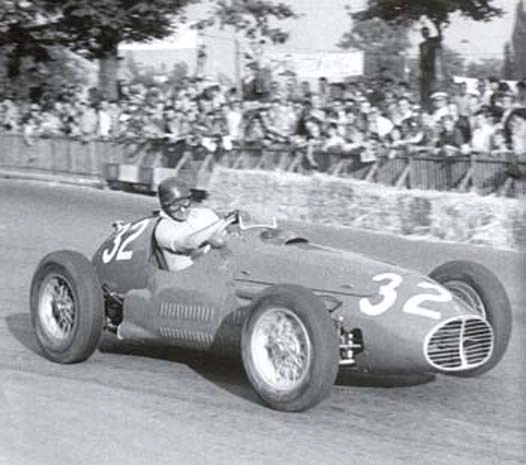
(208, 234)
(204, 226)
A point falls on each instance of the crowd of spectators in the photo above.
(362, 118)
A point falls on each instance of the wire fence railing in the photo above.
(146, 162)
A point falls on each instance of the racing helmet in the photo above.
(175, 198)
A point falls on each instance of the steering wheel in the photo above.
(230, 218)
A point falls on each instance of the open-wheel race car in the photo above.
(297, 311)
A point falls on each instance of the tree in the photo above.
(437, 11)
(519, 39)
(384, 47)
(257, 21)
(92, 28)
(484, 68)
(453, 64)
(25, 33)
(254, 18)
(95, 28)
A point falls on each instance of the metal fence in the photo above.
(145, 163)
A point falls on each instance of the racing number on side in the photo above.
(387, 291)
(121, 241)
(413, 305)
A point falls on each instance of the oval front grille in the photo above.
(458, 344)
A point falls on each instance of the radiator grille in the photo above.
(460, 344)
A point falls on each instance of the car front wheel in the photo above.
(483, 292)
(290, 348)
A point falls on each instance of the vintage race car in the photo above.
(296, 311)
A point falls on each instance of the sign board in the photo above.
(335, 66)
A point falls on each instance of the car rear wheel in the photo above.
(290, 348)
(482, 291)
(67, 307)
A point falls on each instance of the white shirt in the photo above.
(234, 120)
(105, 123)
(171, 235)
(481, 138)
(382, 126)
(439, 113)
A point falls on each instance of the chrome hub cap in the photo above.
(468, 295)
(281, 349)
(56, 309)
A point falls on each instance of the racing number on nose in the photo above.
(121, 241)
(413, 304)
(387, 291)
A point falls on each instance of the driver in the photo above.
(184, 232)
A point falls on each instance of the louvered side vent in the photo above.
(459, 344)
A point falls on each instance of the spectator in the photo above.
(504, 102)
(334, 142)
(412, 133)
(234, 121)
(498, 142)
(484, 91)
(403, 110)
(10, 115)
(450, 138)
(305, 91)
(255, 132)
(461, 122)
(439, 102)
(280, 125)
(379, 124)
(31, 131)
(492, 93)
(515, 131)
(104, 120)
(429, 48)
(483, 132)
(521, 97)
(396, 143)
(323, 91)
(50, 123)
(462, 99)
(313, 127)
(69, 120)
(88, 122)
(371, 148)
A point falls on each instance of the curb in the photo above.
(51, 177)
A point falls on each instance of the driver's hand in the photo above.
(233, 217)
(217, 240)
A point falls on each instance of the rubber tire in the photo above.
(89, 301)
(324, 342)
(495, 300)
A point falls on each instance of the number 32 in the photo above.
(120, 242)
(413, 305)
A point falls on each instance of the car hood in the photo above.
(292, 259)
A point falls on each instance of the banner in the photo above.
(335, 66)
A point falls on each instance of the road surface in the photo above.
(130, 406)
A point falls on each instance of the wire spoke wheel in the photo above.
(289, 346)
(57, 309)
(281, 349)
(67, 307)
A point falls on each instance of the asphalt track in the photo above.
(130, 406)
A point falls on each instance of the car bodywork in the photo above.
(389, 319)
